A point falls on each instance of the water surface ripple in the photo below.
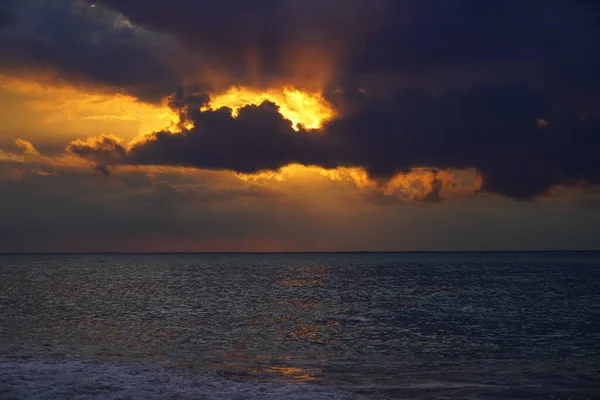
(421, 325)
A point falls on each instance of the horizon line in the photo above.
(295, 252)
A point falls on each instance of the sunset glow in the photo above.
(288, 199)
(297, 125)
(72, 108)
(308, 109)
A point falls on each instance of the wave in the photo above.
(66, 379)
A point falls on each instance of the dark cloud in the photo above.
(76, 211)
(165, 196)
(154, 48)
(6, 17)
(510, 134)
(103, 150)
(551, 45)
(103, 170)
(175, 43)
(258, 139)
(256, 42)
(439, 33)
(87, 45)
(277, 39)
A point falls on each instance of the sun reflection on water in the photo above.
(269, 368)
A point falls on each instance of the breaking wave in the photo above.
(47, 379)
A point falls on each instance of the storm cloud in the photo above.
(84, 45)
(509, 88)
(6, 17)
(464, 41)
(509, 134)
(154, 47)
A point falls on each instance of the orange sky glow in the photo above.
(72, 109)
(308, 109)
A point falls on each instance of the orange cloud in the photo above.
(26, 147)
(68, 103)
(75, 108)
(419, 184)
(424, 184)
(302, 108)
(102, 150)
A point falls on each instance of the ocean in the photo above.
(300, 326)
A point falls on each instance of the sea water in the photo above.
(300, 326)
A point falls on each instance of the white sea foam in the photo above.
(43, 379)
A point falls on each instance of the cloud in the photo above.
(102, 150)
(433, 100)
(138, 211)
(133, 211)
(87, 45)
(151, 48)
(158, 48)
(493, 129)
(254, 43)
(103, 170)
(260, 42)
(164, 195)
(429, 185)
(25, 147)
(6, 17)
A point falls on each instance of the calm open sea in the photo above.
(300, 326)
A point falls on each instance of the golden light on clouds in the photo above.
(67, 104)
(424, 183)
(5, 156)
(71, 108)
(26, 147)
(308, 109)
(354, 176)
(419, 184)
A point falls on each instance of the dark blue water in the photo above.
(414, 326)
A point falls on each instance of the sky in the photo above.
(299, 125)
